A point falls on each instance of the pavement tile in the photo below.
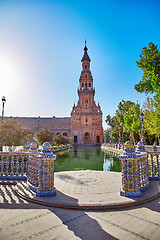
(148, 229)
(154, 235)
(23, 220)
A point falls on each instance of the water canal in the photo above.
(87, 159)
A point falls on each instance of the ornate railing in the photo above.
(154, 165)
(113, 145)
(148, 148)
(13, 165)
(153, 156)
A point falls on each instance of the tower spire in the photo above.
(85, 56)
(85, 48)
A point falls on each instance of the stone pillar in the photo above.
(130, 172)
(46, 172)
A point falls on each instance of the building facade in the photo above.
(86, 116)
(56, 125)
(85, 124)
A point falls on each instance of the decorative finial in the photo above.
(85, 48)
(85, 56)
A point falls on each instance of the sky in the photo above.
(41, 46)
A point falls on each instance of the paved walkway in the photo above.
(88, 190)
(20, 219)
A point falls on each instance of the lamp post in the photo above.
(119, 136)
(3, 102)
(142, 129)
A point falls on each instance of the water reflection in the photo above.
(111, 162)
(86, 159)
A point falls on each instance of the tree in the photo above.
(44, 135)
(59, 139)
(149, 62)
(13, 134)
(151, 109)
(128, 117)
(113, 123)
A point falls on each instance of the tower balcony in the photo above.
(85, 90)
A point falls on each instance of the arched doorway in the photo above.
(86, 138)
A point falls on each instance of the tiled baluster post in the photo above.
(35, 171)
(130, 183)
(142, 160)
(152, 167)
(144, 171)
(46, 172)
(140, 173)
(158, 170)
(2, 165)
(17, 164)
(124, 175)
(147, 167)
(12, 165)
(7, 165)
(32, 167)
(136, 176)
(22, 165)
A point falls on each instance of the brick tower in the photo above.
(86, 117)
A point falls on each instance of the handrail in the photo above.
(13, 165)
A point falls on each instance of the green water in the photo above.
(86, 159)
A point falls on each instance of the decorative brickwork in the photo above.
(86, 116)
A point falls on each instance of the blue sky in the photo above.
(41, 46)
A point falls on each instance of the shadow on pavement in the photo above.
(82, 225)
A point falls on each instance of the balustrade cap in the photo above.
(33, 148)
(140, 147)
(128, 148)
(45, 155)
(47, 152)
(46, 146)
